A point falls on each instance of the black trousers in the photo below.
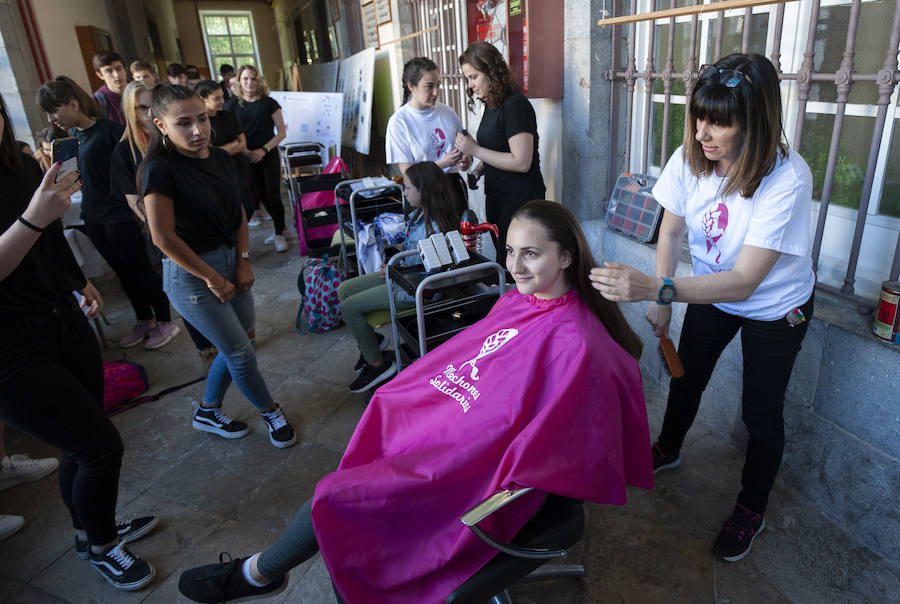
(265, 179)
(51, 387)
(122, 246)
(769, 349)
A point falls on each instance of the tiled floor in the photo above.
(215, 495)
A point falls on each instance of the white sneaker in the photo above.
(19, 469)
(10, 525)
(254, 221)
(270, 239)
(281, 244)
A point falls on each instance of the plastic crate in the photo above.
(632, 210)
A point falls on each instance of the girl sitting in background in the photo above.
(436, 209)
(108, 221)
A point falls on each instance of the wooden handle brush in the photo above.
(671, 362)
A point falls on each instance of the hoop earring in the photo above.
(164, 142)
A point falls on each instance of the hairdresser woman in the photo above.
(51, 371)
(744, 199)
(507, 145)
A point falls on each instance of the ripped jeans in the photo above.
(225, 325)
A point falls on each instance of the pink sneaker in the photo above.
(161, 335)
(137, 334)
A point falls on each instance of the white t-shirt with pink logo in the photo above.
(777, 217)
(415, 135)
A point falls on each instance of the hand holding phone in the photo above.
(65, 150)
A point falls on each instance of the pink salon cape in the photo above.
(536, 394)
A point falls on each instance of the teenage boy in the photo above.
(177, 74)
(227, 73)
(193, 75)
(110, 68)
(143, 71)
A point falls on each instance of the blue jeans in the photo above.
(225, 325)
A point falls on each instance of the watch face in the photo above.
(667, 294)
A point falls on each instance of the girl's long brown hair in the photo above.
(440, 203)
(59, 91)
(485, 58)
(563, 228)
(10, 156)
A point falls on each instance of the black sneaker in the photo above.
(128, 531)
(372, 376)
(214, 421)
(224, 582)
(734, 542)
(361, 361)
(281, 434)
(661, 461)
(122, 569)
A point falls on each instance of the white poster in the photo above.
(313, 117)
(356, 80)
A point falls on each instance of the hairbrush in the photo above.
(671, 362)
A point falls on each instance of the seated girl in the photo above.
(436, 209)
(544, 392)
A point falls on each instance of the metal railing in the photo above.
(845, 78)
(443, 46)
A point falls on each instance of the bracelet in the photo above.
(224, 283)
(33, 227)
(265, 147)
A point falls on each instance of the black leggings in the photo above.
(122, 246)
(51, 387)
(265, 178)
(769, 349)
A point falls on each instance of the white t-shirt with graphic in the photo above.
(777, 218)
(415, 135)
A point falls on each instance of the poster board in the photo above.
(356, 80)
(319, 77)
(311, 116)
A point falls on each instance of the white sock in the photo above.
(246, 570)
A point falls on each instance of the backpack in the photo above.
(320, 309)
(124, 381)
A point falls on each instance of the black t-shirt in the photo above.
(123, 169)
(48, 272)
(96, 146)
(515, 115)
(226, 128)
(207, 194)
(256, 119)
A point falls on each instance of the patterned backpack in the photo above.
(320, 309)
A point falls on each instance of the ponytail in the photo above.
(60, 91)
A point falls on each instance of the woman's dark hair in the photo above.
(484, 57)
(162, 96)
(10, 157)
(563, 228)
(439, 202)
(51, 133)
(206, 87)
(413, 71)
(60, 91)
(753, 104)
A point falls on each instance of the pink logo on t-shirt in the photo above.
(438, 142)
(715, 222)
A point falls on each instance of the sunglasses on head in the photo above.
(729, 78)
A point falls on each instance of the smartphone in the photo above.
(65, 150)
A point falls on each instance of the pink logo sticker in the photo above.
(715, 223)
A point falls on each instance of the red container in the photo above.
(887, 320)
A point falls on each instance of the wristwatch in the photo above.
(667, 293)
(248, 256)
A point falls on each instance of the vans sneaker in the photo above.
(281, 434)
(662, 461)
(20, 468)
(214, 421)
(225, 582)
(128, 531)
(738, 533)
(161, 334)
(371, 376)
(122, 569)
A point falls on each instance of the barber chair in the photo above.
(558, 525)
